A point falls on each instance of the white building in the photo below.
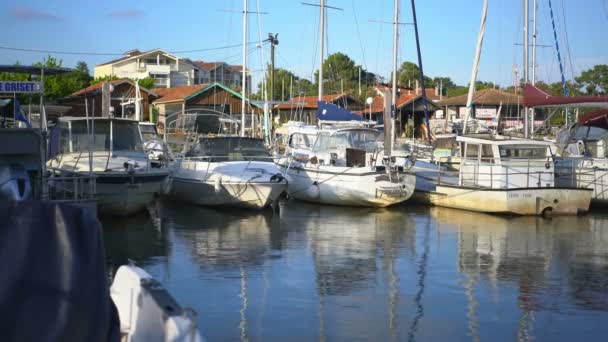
(168, 70)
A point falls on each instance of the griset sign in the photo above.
(20, 87)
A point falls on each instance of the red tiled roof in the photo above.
(207, 65)
(309, 102)
(175, 94)
(97, 86)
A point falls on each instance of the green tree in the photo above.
(58, 86)
(147, 82)
(341, 73)
(282, 82)
(594, 80)
(408, 73)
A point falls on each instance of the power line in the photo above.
(118, 54)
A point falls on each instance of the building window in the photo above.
(160, 80)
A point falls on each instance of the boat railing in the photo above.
(488, 174)
(583, 172)
(72, 188)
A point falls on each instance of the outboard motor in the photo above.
(15, 183)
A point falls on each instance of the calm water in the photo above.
(405, 273)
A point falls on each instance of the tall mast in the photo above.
(395, 49)
(534, 8)
(244, 71)
(482, 29)
(422, 85)
(321, 47)
(526, 66)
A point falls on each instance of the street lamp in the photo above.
(369, 102)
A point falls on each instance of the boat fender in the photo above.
(218, 184)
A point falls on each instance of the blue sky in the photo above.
(448, 31)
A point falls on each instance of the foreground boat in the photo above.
(228, 171)
(147, 311)
(345, 167)
(114, 155)
(507, 176)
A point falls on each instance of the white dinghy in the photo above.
(147, 312)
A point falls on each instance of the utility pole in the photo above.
(273, 41)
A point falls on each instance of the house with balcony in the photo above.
(223, 73)
(167, 69)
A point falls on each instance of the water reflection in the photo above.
(315, 272)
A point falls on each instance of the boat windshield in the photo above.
(230, 149)
(360, 139)
(148, 132)
(523, 152)
(125, 136)
(589, 133)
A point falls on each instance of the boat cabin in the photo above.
(501, 162)
(351, 147)
(585, 141)
(75, 135)
(229, 148)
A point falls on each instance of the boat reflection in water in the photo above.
(315, 272)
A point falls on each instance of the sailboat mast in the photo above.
(534, 42)
(526, 66)
(244, 71)
(321, 47)
(422, 85)
(394, 90)
(482, 29)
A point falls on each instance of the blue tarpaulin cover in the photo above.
(54, 284)
(331, 112)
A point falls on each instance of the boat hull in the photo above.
(522, 201)
(365, 189)
(250, 195)
(122, 194)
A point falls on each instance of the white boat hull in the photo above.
(523, 201)
(252, 185)
(121, 194)
(147, 312)
(364, 188)
(252, 195)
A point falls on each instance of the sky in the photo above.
(448, 33)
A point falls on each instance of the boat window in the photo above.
(367, 140)
(230, 149)
(589, 133)
(523, 152)
(126, 137)
(299, 140)
(472, 151)
(487, 153)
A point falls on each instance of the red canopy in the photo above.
(534, 97)
(598, 118)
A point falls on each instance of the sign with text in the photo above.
(485, 113)
(20, 87)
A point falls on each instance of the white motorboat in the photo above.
(147, 312)
(584, 161)
(506, 175)
(344, 167)
(114, 155)
(228, 171)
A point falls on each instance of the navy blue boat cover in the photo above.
(53, 280)
(331, 112)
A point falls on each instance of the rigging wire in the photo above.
(359, 35)
(567, 41)
(90, 53)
